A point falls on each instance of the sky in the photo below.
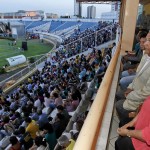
(60, 7)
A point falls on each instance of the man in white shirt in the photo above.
(37, 103)
(113, 50)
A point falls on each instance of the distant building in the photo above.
(113, 15)
(51, 15)
(115, 6)
(110, 16)
(77, 9)
(91, 12)
(22, 13)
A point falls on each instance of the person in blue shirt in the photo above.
(43, 118)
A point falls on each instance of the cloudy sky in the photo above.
(61, 7)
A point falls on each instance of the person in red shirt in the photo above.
(139, 138)
(15, 143)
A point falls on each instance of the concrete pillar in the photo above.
(129, 24)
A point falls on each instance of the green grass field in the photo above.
(35, 47)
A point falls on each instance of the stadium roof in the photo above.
(97, 0)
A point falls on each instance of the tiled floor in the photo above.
(113, 132)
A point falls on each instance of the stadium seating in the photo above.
(36, 23)
(59, 25)
(66, 25)
(86, 25)
(55, 25)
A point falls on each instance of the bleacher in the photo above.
(59, 25)
(36, 23)
(26, 23)
(55, 25)
(86, 25)
(66, 25)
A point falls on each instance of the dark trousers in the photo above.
(124, 143)
(123, 114)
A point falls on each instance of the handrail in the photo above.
(87, 138)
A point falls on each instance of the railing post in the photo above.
(96, 38)
(21, 73)
(111, 33)
(81, 45)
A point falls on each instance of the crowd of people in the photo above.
(87, 39)
(37, 112)
(133, 97)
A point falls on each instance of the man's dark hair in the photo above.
(13, 140)
(48, 127)
(60, 107)
(22, 130)
(60, 116)
(114, 44)
(39, 140)
(55, 95)
(28, 120)
(143, 34)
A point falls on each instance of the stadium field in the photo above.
(35, 47)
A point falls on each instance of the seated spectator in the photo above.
(128, 75)
(131, 59)
(83, 85)
(40, 144)
(37, 103)
(74, 101)
(113, 49)
(74, 90)
(59, 125)
(7, 126)
(32, 127)
(47, 100)
(43, 119)
(25, 138)
(71, 78)
(34, 114)
(138, 138)
(58, 99)
(15, 143)
(62, 110)
(90, 73)
(65, 143)
(67, 105)
(18, 120)
(71, 103)
(50, 136)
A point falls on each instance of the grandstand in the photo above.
(57, 25)
(58, 57)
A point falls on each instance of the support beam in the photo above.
(130, 17)
(122, 13)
